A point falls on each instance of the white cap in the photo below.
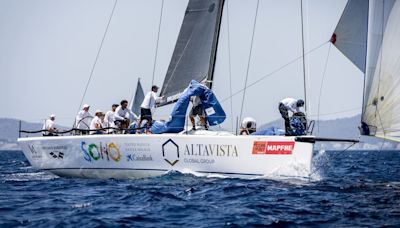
(98, 111)
(86, 106)
(249, 122)
(52, 115)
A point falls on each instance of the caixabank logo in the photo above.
(170, 152)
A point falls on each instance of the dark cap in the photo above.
(154, 87)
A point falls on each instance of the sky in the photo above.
(48, 48)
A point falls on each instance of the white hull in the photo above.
(137, 156)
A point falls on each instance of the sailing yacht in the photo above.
(221, 152)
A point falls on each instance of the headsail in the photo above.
(195, 49)
(382, 92)
(350, 35)
(137, 99)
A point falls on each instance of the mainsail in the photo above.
(381, 101)
(137, 99)
(195, 49)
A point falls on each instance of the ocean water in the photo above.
(348, 189)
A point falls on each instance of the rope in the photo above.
(274, 72)
(98, 54)
(322, 83)
(158, 39)
(248, 62)
(229, 62)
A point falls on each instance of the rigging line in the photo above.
(229, 62)
(179, 60)
(303, 58)
(248, 62)
(274, 71)
(322, 83)
(338, 112)
(158, 39)
(98, 54)
(328, 161)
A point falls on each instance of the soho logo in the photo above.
(169, 150)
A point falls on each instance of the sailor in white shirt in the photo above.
(123, 115)
(286, 105)
(109, 118)
(98, 123)
(148, 103)
(82, 119)
(49, 125)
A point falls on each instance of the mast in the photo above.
(303, 58)
(213, 59)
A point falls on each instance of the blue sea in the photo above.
(348, 189)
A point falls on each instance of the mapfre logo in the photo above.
(263, 147)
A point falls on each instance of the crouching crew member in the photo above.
(286, 105)
(123, 115)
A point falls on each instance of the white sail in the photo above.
(350, 35)
(382, 102)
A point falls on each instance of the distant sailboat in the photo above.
(219, 152)
(137, 99)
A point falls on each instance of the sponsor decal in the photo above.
(211, 150)
(101, 151)
(169, 149)
(57, 154)
(197, 153)
(134, 157)
(35, 154)
(264, 147)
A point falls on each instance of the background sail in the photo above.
(382, 92)
(350, 35)
(195, 49)
(137, 99)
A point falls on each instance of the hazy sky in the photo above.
(47, 50)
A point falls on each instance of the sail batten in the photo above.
(195, 49)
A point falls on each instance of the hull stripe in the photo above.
(163, 170)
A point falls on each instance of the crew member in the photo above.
(109, 117)
(82, 119)
(98, 123)
(248, 126)
(49, 126)
(197, 110)
(123, 115)
(286, 105)
(148, 103)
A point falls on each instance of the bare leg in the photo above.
(203, 121)
(192, 120)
